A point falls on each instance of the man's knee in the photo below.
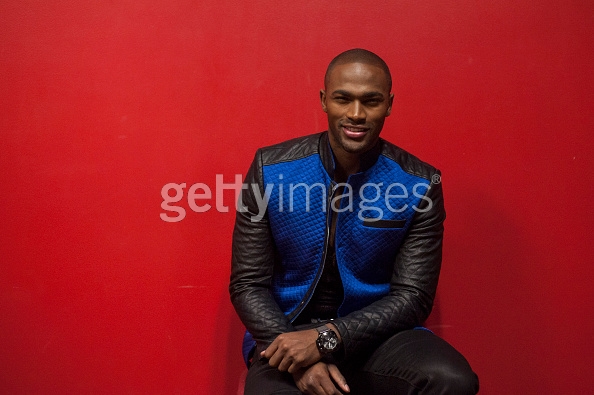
(421, 363)
(454, 379)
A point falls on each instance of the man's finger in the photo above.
(338, 378)
(270, 350)
(285, 364)
(275, 360)
(294, 368)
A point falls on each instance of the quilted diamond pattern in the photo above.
(389, 272)
(297, 209)
(367, 253)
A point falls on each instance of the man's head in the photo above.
(358, 55)
(357, 100)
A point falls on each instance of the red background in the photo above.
(105, 102)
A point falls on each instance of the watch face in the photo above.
(327, 341)
(330, 343)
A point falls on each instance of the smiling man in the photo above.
(333, 288)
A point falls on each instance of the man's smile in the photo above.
(354, 131)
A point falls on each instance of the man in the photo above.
(336, 255)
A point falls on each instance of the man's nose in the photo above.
(356, 111)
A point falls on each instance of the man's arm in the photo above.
(252, 266)
(413, 284)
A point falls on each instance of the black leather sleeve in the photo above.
(253, 260)
(413, 283)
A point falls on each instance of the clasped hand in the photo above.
(293, 350)
(298, 354)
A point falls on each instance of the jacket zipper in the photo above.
(312, 288)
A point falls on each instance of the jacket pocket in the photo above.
(384, 223)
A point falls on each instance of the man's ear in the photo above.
(390, 104)
(323, 100)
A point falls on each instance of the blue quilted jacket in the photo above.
(389, 229)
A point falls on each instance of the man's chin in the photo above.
(355, 147)
(352, 146)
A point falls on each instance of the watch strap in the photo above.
(323, 328)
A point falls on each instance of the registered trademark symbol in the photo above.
(436, 179)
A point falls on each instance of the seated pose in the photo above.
(337, 252)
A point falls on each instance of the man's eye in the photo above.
(372, 103)
(341, 99)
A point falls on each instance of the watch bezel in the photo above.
(326, 335)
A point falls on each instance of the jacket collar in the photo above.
(368, 159)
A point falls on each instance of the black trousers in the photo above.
(411, 362)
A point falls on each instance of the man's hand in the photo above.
(320, 379)
(293, 350)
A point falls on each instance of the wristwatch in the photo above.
(327, 340)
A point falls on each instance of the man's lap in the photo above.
(410, 362)
(416, 362)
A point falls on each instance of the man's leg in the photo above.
(414, 362)
(262, 379)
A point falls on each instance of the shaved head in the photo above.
(359, 55)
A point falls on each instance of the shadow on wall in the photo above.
(433, 323)
(480, 299)
(485, 291)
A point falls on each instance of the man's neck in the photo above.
(346, 164)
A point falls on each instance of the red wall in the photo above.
(103, 103)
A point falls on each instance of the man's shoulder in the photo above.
(408, 162)
(289, 150)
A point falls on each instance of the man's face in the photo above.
(357, 100)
